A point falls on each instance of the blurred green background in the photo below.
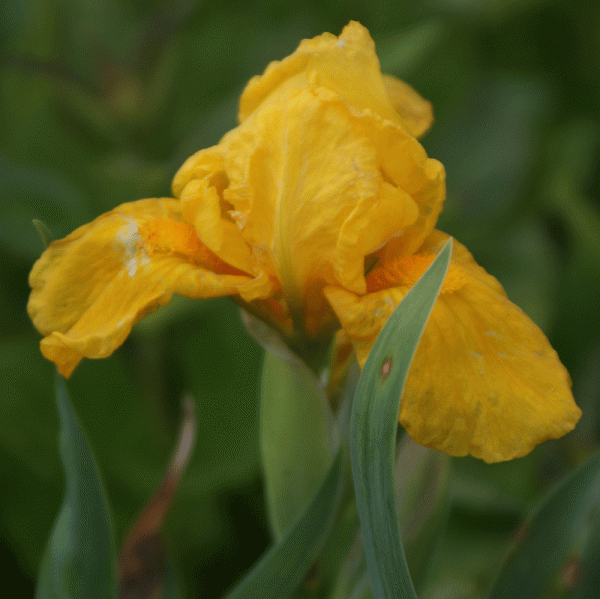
(101, 102)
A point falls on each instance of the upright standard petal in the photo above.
(417, 113)
(90, 288)
(346, 65)
(484, 380)
(414, 183)
(322, 171)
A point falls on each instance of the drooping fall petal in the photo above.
(90, 288)
(323, 171)
(484, 379)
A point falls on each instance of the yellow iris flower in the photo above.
(317, 211)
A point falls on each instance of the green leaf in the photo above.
(281, 570)
(295, 424)
(79, 560)
(373, 428)
(557, 552)
(423, 481)
(44, 232)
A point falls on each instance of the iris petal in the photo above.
(347, 65)
(90, 288)
(323, 177)
(484, 379)
(416, 112)
(322, 171)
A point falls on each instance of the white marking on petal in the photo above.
(240, 218)
(341, 43)
(127, 240)
(132, 266)
(476, 355)
(494, 334)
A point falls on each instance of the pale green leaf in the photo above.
(281, 570)
(79, 560)
(373, 432)
(295, 424)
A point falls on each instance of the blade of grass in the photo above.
(557, 552)
(281, 570)
(79, 560)
(44, 232)
(373, 428)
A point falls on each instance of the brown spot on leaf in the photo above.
(386, 368)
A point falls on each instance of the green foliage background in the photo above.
(101, 102)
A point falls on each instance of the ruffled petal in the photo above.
(416, 112)
(296, 172)
(484, 380)
(321, 172)
(201, 205)
(348, 66)
(420, 183)
(312, 190)
(90, 288)
(405, 162)
(199, 185)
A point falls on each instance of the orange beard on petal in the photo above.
(405, 271)
(179, 237)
